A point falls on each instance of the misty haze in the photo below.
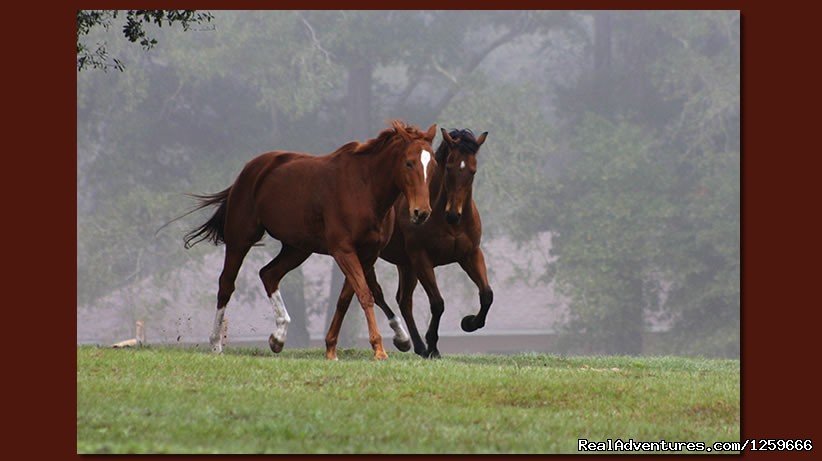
(609, 184)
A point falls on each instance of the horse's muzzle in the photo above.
(419, 217)
(452, 218)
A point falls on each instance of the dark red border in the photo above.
(780, 201)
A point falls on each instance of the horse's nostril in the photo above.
(416, 212)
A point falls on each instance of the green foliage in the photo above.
(130, 184)
(512, 160)
(645, 209)
(293, 76)
(97, 57)
(609, 229)
(247, 401)
(110, 254)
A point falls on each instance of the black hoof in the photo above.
(402, 346)
(435, 354)
(421, 352)
(275, 345)
(469, 323)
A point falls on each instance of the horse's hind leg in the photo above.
(234, 255)
(288, 259)
(401, 339)
(344, 301)
(474, 266)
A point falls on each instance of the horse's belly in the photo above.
(301, 241)
(287, 208)
(293, 226)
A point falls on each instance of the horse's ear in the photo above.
(447, 138)
(403, 134)
(481, 138)
(432, 131)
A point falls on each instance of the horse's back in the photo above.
(243, 214)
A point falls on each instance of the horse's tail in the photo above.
(213, 229)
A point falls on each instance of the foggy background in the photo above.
(609, 186)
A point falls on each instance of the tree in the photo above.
(426, 77)
(97, 57)
(177, 94)
(646, 208)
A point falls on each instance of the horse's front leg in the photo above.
(352, 267)
(474, 266)
(405, 294)
(425, 274)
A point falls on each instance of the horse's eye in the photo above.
(409, 164)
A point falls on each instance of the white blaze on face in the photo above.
(425, 157)
(281, 317)
(462, 164)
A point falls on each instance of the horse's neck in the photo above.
(382, 187)
(439, 196)
(437, 192)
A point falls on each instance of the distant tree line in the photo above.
(618, 132)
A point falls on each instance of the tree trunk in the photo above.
(359, 125)
(602, 42)
(603, 30)
(275, 134)
(294, 298)
(628, 324)
(630, 342)
(293, 290)
(358, 99)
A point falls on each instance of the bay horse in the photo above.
(338, 204)
(451, 235)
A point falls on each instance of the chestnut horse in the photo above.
(337, 204)
(452, 234)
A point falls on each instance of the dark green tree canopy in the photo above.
(134, 24)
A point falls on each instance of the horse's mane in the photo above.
(386, 137)
(466, 142)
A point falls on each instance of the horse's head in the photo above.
(413, 170)
(458, 156)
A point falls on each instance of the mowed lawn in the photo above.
(175, 400)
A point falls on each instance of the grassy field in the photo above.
(175, 400)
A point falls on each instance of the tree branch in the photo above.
(409, 88)
(314, 36)
(515, 32)
(444, 72)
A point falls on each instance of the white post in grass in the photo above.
(140, 334)
(138, 340)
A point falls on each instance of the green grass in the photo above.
(175, 400)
